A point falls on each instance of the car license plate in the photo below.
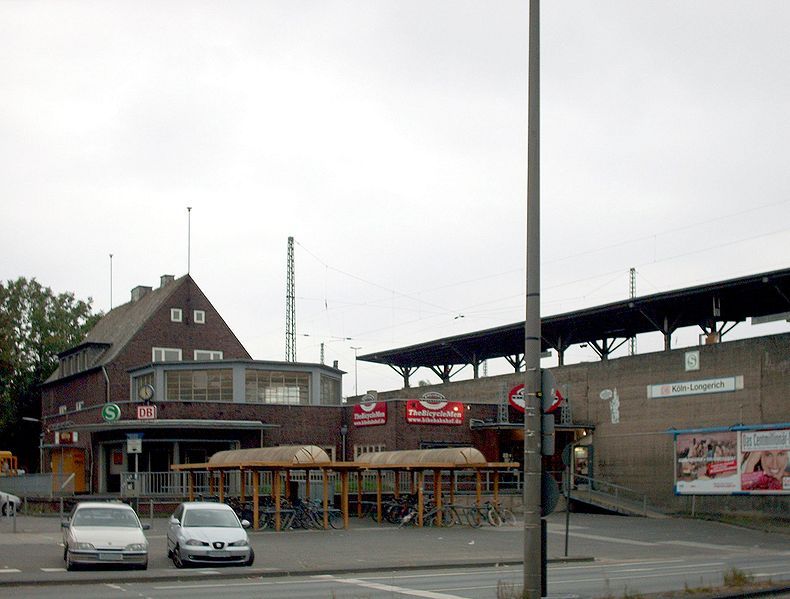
(111, 557)
(219, 553)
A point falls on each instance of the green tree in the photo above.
(35, 325)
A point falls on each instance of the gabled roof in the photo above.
(119, 325)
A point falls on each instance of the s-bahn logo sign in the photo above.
(433, 408)
(371, 413)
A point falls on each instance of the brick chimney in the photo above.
(165, 279)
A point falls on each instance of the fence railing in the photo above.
(50, 484)
(176, 484)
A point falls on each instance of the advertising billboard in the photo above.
(746, 461)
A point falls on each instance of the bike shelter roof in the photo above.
(285, 456)
(445, 458)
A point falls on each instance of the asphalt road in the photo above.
(621, 554)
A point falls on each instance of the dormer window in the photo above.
(199, 317)
(176, 315)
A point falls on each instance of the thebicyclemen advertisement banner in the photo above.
(728, 462)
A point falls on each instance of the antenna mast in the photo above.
(290, 307)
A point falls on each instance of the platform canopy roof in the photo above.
(729, 301)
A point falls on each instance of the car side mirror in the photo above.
(64, 524)
(245, 524)
(174, 521)
(146, 527)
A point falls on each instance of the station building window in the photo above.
(199, 385)
(274, 387)
(330, 391)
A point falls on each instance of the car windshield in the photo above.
(210, 518)
(105, 517)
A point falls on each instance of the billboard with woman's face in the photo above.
(733, 462)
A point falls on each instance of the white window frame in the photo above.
(62, 410)
(199, 317)
(162, 351)
(79, 405)
(370, 448)
(213, 354)
(176, 315)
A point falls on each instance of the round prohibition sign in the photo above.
(111, 412)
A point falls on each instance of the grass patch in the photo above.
(737, 578)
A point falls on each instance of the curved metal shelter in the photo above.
(447, 457)
(417, 461)
(294, 455)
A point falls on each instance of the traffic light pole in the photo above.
(533, 551)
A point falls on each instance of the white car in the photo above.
(104, 533)
(8, 502)
(208, 533)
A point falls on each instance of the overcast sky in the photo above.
(389, 139)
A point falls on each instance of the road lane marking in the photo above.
(53, 569)
(582, 535)
(9, 571)
(389, 588)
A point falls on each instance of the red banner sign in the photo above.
(369, 414)
(421, 411)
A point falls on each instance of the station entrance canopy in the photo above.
(715, 307)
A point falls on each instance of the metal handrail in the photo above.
(597, 485)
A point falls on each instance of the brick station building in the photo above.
(210, 395)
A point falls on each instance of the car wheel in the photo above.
(4, 509)
(177, 561)
(251, 559)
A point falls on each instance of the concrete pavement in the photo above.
(33, 555)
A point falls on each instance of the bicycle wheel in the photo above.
(493, 517)
(335, 519)
(475, 517)
(508, 517)
(449, 516)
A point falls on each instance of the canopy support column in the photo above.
(222, 486)
(359, 494)
(326, 496)
(344, 496)
(496, 487)
(256, 484)
(191, 485)
(420, 488)
(276, 484)
(243, 487)
(378, 496)
(478, 487)
(437, 495)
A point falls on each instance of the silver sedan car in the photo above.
(104, 533)
(208, 533)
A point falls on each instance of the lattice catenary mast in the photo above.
(290, 307)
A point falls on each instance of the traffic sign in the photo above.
(111, 412)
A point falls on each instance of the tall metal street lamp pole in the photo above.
(533, 549)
